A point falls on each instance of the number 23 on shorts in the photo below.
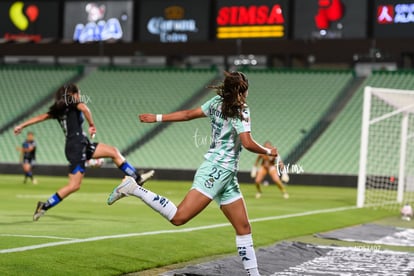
(215, 173)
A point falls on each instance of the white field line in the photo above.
(32, 236)
(160, 232)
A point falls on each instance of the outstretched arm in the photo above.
(178, 116)
(251, 145)
(37, 119)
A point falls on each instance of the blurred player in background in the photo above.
(216, 178)
(70, 112)
(28, 157)
(274, 167)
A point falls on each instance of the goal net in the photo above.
(386, 168)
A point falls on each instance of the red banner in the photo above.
(251, 19)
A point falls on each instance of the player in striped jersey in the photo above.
(216, 178)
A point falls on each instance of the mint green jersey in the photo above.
(225, 147)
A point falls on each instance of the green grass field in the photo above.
(84, 236)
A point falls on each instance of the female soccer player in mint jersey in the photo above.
(70, 112)
(216, 178)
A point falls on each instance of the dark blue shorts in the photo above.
(77, 152)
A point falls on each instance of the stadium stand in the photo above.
(283, 103)
(342, 138)
(179, 146)
(24, 87)
(117, 95)
(287, 104)
(26, 91)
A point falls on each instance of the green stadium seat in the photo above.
(118, 95)
(282, 103)
(285, 105)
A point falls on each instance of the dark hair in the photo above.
(63, 99)
(234, 84)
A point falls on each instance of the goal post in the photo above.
(386, 161)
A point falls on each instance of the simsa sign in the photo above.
(394, 18)
(174, 21)
(251, 19)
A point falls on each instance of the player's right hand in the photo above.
(92, 131)
(147, 118)
(17, 130)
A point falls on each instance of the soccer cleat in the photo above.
(127, 187)
(285, 195)
(145, 177)
(258, 195)
(39, 211)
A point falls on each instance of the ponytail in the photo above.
(231, 90)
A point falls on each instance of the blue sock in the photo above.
(128, 169)
(52, 201)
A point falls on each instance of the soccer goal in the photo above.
(386, 165)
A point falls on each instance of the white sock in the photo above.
(246, 252)
(158, 203)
